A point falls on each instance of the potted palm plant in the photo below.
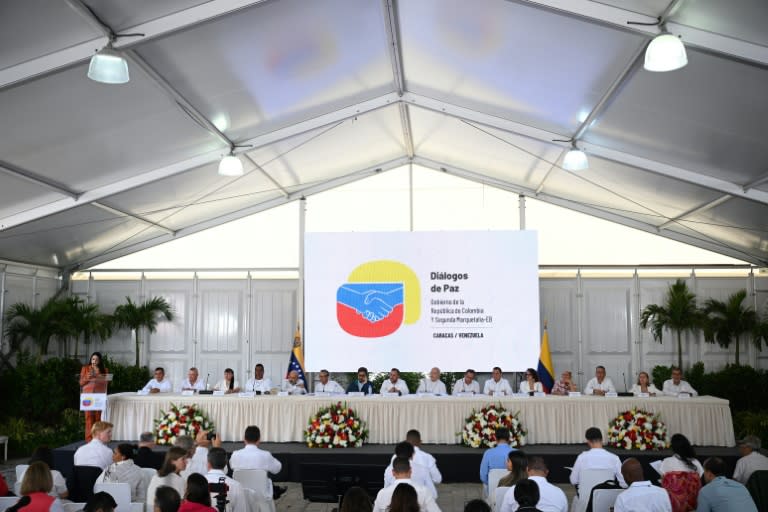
(678, 314)
(136, 316)
(728, 321)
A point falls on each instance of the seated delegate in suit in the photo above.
(599, 384)
(565, 385)
(675, 385)
(644, 385)
(497, 384)
(394, 384)
(362, 384)
(326, 385)
(159, 384)
(293, 385)
(259, 383)
(229, 384)
(432, 384)
(531, 383)
(468, 384)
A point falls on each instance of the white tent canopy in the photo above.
(314, 95)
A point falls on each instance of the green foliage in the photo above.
(39, 325)
(25, 435)
(726, 322)
(659, 374)
(135, 317)
(126, 377)
(755, 423)
(694, 375)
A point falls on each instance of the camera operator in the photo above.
(198, 451)
(217, 467)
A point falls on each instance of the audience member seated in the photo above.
(96, 452)
(394, 384)
(45, 454)
(683, 458)
(356, 499)
(751, 459)
(477, 506)
(413, 436)
(517, 465)
(432, 384)
(145, 457)
(123, 470)
(326, 385)
(169, 474)
(361, 385)
(551, 498)
(100, 502)
(419, 474)
(166, 499)
(596, 457)
(468, 384)
(641, 496)
(159, 384)
(599, 384)
(193, 382)
(525, 496)
(197, 498)
(644, 385)
(401, 469)
(496, 457)
(259, 383)
(721, 494)
(36, 486)
(253, 457)
(497, 384)
(404, 499)
(228, 384)
(293, 385)
(675, 385)
(217, 466)
(531, 383)
(4, 490)
(565, 385)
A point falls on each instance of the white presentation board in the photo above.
(414, 300)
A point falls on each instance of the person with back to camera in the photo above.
(166, 499)
(477, 506)
(96, 452)
(251, 456)
(596, 457)
(517, 465)
(526, 495)
(197, 497)
(404, 499)
(721, 494)
(35, 489)
(100, 502)
(356, 499)
(683, 457)
(45, 454)
(641, 495)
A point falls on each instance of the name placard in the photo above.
(683, 395)
(93, 401)
(188, 392)
(247, 394)
(574, 393)
(355, 393)
(539, 394)
(498, 393)
(611, 394)
(389, 394)
(465, 393)
(218, 393)
(642, 395)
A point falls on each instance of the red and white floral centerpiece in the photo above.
(480, 428)
(335, 426)
(637, 429)
(181, 420)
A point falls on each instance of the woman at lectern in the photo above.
(229, 384)
(531, 383)
(93, 379)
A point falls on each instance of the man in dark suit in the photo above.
(145, 457)
(361, 384)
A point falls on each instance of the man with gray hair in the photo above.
(751, 459)
(432, 384)
(145, 457)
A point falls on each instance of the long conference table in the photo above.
(706, 421)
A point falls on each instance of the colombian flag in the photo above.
(297, 358)
(546, 370)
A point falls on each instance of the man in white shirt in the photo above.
(551, 497)
(599, 384)
(433, 384)
(413, 436)
(292, 385)
(394, 384)
(96, 452)
(751, 459)
(159, 384)
(676, 385)
(217, 464)
(192, 382)
(401, 470)
(253, 457)
(641, 496)
(468, 384)
(497, 384)
(419, 474)
(326, 385)
(596, 457)
(259, 384)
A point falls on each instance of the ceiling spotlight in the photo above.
(575, 159)
(108, 67)
(665, 52)
(230, 165)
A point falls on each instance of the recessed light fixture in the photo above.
(108, 67)
(230, 165)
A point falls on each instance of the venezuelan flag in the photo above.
(296, 361)
(545, 369)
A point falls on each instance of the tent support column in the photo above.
(522, 211)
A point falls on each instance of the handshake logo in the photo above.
(378, 297)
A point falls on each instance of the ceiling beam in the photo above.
(30, 177)
(693, 211)
(589, 210)
(691, 36)
(239, 214)
(196, 161)
(124, 213)
(392, 28)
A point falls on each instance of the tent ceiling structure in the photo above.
(317, 94)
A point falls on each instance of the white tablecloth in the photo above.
(706, 421)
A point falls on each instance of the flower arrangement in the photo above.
(335, 426)
(480, 427)
(181, 420)
(637, 429)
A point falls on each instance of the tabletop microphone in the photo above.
(206, 380)
(206, 391)
(625, 381)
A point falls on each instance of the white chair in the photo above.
(4, 442)
(494, 476)
(256, 480)
(20, 470)
(499, 497)
(587, 480)
(121, 492)
(71, 506)
(8, 501)
(603, 499)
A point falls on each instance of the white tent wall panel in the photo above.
(108, 295)
(274, 313)
(170, 345)
(559, 303)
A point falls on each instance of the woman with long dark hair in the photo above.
(169, 474)
(684, 458)
(404, 499)
(356, 499)
(517, 465)
(531, 383)
(228, 384)
(93, 379)
(197, 498)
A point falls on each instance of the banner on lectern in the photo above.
(93, 401)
